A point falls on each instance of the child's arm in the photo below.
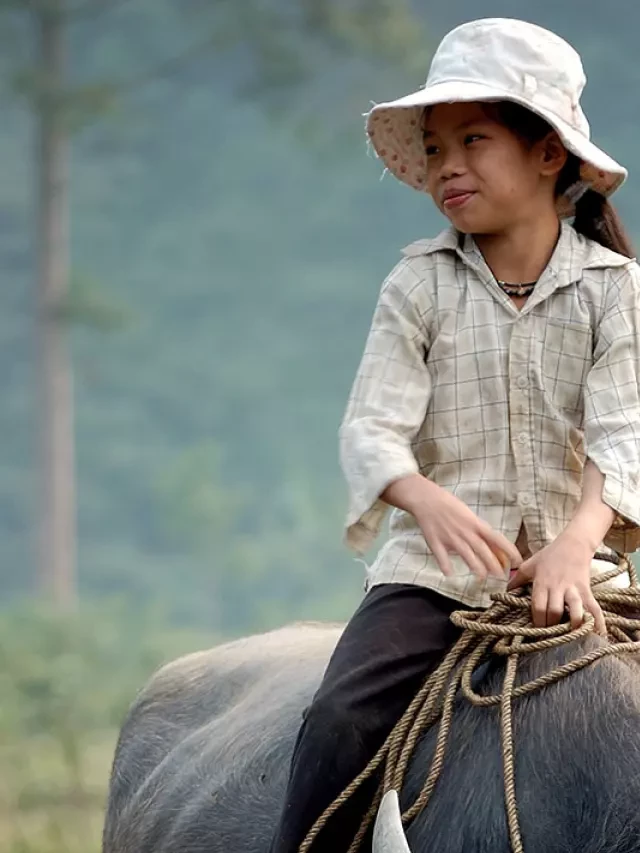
(612, 398)
(450, 527)
(386, 409)
(593, 517)
(388, 402)
(561, 572)
(611, 478)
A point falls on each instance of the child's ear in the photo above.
(553, 154)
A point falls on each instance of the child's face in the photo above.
(483, 177)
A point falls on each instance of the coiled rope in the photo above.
(503, 629)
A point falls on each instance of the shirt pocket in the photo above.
(567, 358)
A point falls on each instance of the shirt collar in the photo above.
(572, 255)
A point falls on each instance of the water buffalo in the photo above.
(203, 754)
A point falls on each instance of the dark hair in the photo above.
(595, 217)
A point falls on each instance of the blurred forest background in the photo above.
(191, 244)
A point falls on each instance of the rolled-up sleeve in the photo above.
(612, 397)
(388, 402)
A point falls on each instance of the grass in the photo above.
(45, 808)
(65, 684)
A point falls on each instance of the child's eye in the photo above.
(430, 150)
(472, 137)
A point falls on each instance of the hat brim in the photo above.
(394, 129)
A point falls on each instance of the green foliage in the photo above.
(91, 305)
(69, 675)
(66, 682)
(153, 521)
(197, 509)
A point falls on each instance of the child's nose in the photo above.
(452, 166)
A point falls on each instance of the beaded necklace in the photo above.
(524, 289)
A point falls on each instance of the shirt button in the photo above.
(525, 500)
(522, 437)
(522, 382)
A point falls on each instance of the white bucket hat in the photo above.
(497, 59)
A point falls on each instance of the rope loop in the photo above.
(504, 630)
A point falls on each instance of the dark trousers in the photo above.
(395, 639)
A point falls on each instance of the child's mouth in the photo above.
(457, 200)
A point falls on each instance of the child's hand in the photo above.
(561, 580)
(450, 527)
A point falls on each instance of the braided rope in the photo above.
(503, 629)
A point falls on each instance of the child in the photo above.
(497, 404)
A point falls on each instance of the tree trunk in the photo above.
(56, 481)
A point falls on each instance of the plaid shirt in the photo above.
(496, 405)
